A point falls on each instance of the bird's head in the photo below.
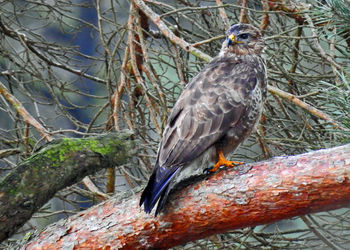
(242, 39)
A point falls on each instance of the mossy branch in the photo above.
(58, 165)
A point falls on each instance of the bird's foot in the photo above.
(223, 162)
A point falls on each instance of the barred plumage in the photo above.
(216, 111)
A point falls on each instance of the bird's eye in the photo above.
(243, 36)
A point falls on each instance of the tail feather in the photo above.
(157, 188)
(163, 198)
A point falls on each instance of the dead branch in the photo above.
(24, 113)
(168, 33)
(223, 15)
(266, 192)
(300, 103)
(243, 15)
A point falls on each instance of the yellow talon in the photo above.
(223, 162)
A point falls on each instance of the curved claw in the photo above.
(223, 162)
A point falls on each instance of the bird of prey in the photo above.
(217, 110)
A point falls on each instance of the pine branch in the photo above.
(266, 192)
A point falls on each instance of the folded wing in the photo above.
(211, 104)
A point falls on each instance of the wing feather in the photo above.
(207, 113)
(211, 104)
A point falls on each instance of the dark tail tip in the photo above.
(147, 196)
(155, 190)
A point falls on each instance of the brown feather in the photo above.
(218, 108)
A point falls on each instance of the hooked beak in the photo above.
(232, 40)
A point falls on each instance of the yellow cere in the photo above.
(233, 39)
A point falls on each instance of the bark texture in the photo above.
(268, 191)
(58, 165)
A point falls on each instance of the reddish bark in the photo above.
(277, 189)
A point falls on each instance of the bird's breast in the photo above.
(241, 130)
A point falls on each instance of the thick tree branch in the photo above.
(60, 164)
(269, 191)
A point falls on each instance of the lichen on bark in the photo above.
(57, 165)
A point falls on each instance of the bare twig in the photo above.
(300, 103)
(318, 45)
(168, 33)
(265, 17)
(208, 40)
(314, 229)
(24, 113)
(94, 189)
(223, 15)
(243, 15)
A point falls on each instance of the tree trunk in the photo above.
(58, 165)
(268, 191)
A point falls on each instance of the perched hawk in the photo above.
(217, 110)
